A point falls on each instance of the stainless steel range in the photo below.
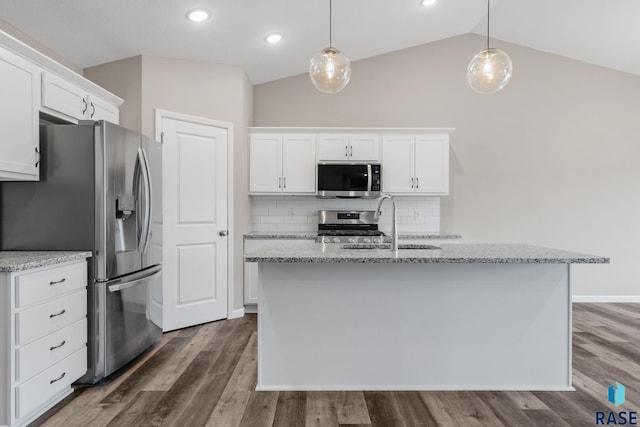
(349, 226)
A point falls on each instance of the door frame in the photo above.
(165, 114)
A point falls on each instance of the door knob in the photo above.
(222, 233)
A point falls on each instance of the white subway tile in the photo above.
(295, 219)
(308, 227)
(428, 228)
(272, 220)
(288, 204)
(312, 219)
(259, 211)
(288, 227)
(280, 211)
(263, 203)
(264, 227)
(311, 204)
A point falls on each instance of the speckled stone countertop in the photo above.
(27, 260)
(449, 253)
(312, 235)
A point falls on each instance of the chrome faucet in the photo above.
(394, 223)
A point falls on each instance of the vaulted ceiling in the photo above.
(92, 32)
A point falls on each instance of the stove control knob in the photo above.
(367, 239)
(336, 240)
(353, 240)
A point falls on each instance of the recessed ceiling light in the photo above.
(427, 2)
(198, 15)
(273, 38)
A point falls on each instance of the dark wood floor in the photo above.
(206, 375)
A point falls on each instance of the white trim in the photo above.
(605, 298)
(236, 313)
(164, 114)
(346, 130)
(251, 308)
(416, 388)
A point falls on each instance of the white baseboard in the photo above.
(605, 298)
(236, 313)
(251, 308)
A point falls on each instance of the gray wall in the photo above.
(551, 160)
(214, 91)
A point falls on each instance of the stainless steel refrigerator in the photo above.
(100, 189)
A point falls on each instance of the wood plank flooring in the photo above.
(206, 375)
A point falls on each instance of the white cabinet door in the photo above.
(19, 103)
(398, 164)
(63, 96)
(299, 164)
(333, 148)
(343, 147)
(265, 164)
(99, 109)
(364, 147)
(432, 164)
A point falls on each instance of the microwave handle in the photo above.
(369, 177)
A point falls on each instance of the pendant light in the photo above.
(330, 69)
(490, 70)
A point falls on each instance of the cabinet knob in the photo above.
(279, 182)
(284, 182)
(222, 233)
(417, 182)
(346, 151)
(351, 150)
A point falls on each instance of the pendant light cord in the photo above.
(488, 17)
(330, 15)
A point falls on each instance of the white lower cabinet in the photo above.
(43, 331)
(251, 278)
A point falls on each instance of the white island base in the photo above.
(404, 326)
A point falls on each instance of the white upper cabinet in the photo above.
(348, 147)
(282, 164)
(415, 164)
(19, 104)
(60, 96)
(31, 83)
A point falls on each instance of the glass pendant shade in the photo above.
(489, 71)
(330, 70)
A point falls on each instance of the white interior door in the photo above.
(195, 223)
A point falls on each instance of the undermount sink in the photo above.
(388, 246)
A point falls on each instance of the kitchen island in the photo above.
(462, 317)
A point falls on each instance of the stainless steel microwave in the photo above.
(349, 180)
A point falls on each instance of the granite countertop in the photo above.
(27, 260)
(313, 235)
(449, 253)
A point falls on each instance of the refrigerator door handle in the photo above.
(120, 284)
(145, 231)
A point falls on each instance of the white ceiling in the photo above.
(92, 32)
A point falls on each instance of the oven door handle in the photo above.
(369, 177)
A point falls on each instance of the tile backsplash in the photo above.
(300, 213)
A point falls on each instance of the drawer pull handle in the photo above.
(58, 346)
(58, 379)
(51, 316)
(58, 281)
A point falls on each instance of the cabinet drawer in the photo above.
(38, 390)
(32, 288)
(39, 321)
(50, 350)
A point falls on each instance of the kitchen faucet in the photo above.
(394, 223)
